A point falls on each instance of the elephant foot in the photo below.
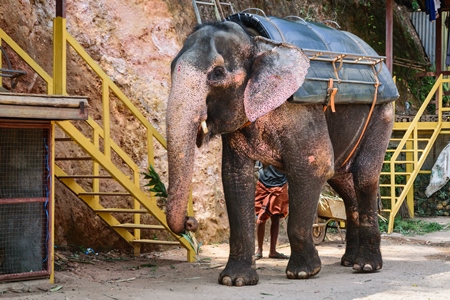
(367, 268)
(237, 275)
(365, 262)
(371, 263)
(303, 268)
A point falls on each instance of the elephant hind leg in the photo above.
(343, 185)
(363, 236)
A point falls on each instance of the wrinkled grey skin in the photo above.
(224, 76)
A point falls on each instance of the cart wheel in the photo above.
(319, 233)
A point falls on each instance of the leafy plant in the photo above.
(159, 188)
(410, 226)
(193, 242)
(415, 5)
(437, 204)
(155, 183)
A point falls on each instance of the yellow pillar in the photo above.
(59, 88)
(59, 56)
(410, 167)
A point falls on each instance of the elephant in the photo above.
(227, 82)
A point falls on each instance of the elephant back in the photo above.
(343, 68)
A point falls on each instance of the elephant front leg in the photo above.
(304, 261)
(239, 189)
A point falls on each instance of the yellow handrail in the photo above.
(30, 61)
(414, 158)
(107, 82)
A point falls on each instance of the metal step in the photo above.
(139, 226)
(104, 194)
(73, 158)
(121, 210)
(157, 242)
(86, 176)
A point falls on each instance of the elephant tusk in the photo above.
(204, 128)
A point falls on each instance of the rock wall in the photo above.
(134, 41)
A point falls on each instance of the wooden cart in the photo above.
(330, 210)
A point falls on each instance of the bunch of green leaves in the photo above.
(415, 5)
(159, 188)
(189, 236)
(155, 183)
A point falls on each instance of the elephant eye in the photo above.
(217, 74)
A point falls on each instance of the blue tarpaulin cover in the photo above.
(352, 65)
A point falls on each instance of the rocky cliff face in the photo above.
(134, 41)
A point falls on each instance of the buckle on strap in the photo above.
(329, 99)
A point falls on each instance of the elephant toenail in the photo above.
(302, 275)
(346, 263)
(290, 275)
(240, 281)
(367, 268)
(227, 281)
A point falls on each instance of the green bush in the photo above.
(410, 226)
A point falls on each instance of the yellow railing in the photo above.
(410, 154)
(101, 132)
(104, 131)
(30, 61)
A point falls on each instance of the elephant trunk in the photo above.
(185, 111)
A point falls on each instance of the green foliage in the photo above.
(159, 188)
(415, 5)
(422, 89)
(309, 14)
(437, 204)
(410, 226)
(386, 179)
(193, 242)
(155, 183)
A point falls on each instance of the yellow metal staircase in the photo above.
(106, 160)
(409, 147)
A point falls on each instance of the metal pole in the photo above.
(61, 8)
(389, 30)
(197, 13)
(59, 49)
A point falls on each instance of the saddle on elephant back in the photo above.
(343, 68)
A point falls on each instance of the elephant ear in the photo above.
(278, 70)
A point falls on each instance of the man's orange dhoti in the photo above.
(270, 201)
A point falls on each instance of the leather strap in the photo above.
(331, 93)
(246, 124)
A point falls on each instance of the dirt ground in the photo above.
(415, 267)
